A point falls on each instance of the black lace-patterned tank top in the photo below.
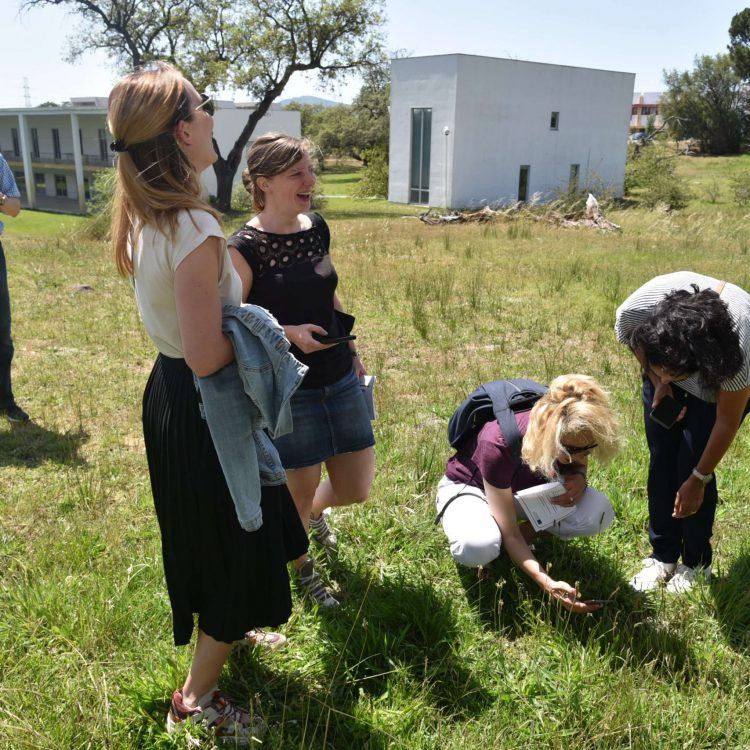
(294, 278)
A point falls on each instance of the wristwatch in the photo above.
(705, 478)
(3, 196)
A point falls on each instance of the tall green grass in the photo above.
(421, 654)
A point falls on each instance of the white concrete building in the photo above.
(55, 151)
(468, 131)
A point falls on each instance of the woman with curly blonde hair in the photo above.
(475, 498)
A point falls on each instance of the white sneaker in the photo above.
(684, 578)
(652, 574)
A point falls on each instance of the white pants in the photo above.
(474, 535)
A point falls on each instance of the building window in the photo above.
(421, 139)
(103, 144)
(80, 139)
(56, 143)
(635, 109)
(20, 181)
(523, 183)
(16, 145)
(34, 143)
(61, 186)
(575, 170)
(87, 188)
(554, 120)
(41, 183)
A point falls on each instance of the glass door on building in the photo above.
(421, 139)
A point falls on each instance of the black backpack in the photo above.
(499, 399)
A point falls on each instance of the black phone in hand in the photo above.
(325, 339)
(665, 413)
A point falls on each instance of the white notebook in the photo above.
(367, 384)
(540, 512)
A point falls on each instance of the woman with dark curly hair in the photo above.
(691, 336)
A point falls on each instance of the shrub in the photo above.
(651, 178)
(241, 200)
(740, 184)
(374, 181)
(98, 227)
(712, 191)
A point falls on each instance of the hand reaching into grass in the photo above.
(569, 597)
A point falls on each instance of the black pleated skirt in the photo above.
(233, 579)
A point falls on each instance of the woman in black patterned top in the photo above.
(282, 256)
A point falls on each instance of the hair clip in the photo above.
(117, 145)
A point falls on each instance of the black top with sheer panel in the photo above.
(294, 278)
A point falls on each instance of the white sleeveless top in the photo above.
(156, 257)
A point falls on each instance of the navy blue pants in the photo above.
(673, 455)
(6, 342)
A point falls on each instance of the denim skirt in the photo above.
(327, 421)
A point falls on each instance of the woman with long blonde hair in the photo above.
(475, 498)
(169, 242)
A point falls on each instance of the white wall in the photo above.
(421, 82)
(228, 124)
(500, 119)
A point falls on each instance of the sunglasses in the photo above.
(576, 450)
(185, 112)
(207, 105)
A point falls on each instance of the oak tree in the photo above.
(254, 46)
(709, 103)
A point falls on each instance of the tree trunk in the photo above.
(225, 169)
(224, 178)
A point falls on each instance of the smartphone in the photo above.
(602, 602)
(665, 413)
(325, 339)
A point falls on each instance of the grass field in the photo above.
(421, 654)
(42, 224)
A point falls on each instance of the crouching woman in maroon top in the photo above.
(475, 498)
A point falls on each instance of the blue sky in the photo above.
(634, 36)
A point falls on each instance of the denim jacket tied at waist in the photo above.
(247, 397)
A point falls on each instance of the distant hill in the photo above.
(309, 100)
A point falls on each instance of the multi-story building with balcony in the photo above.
(646, 108)
(55, 151)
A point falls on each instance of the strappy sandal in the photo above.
(226, 721)
(268, 639)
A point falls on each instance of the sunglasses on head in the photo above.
(576, 450)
